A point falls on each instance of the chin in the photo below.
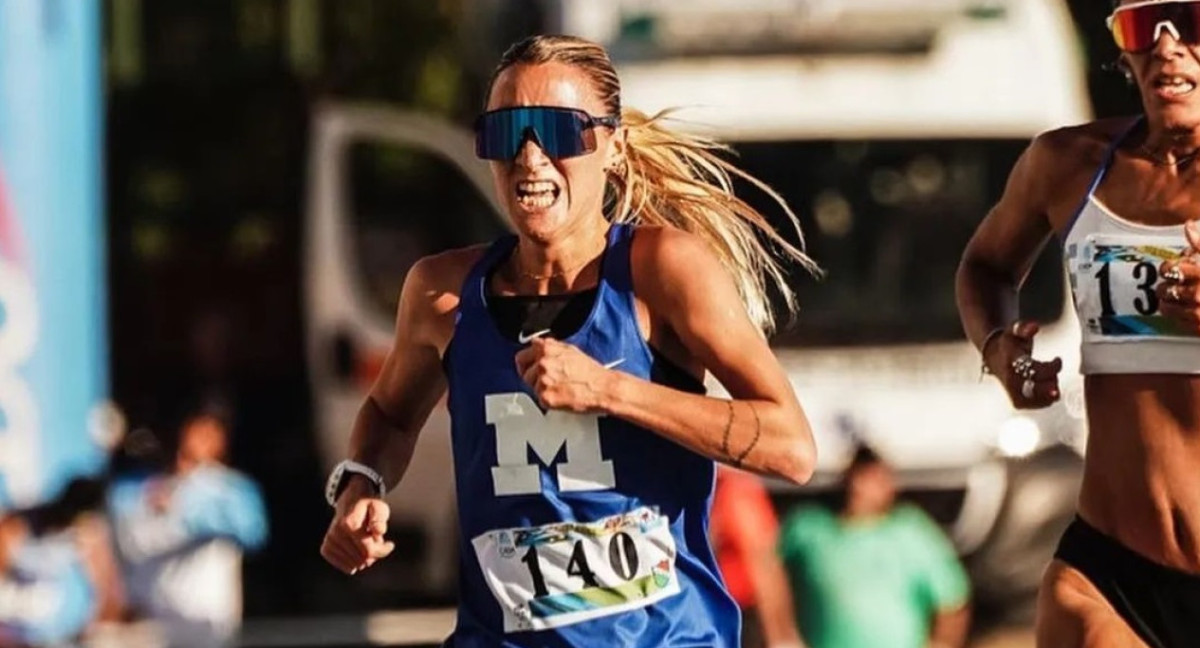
(538, 225)
(1179, 118)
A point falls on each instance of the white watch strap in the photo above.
(333, 487)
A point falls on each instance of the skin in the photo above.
(742, 530)
(687, 307)
(203, 440)
(1142, 477)
(13, 532)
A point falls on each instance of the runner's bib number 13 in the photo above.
(1115, 279)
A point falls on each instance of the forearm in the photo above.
(987, 298)
(950, 627)
(760, 435)
(774, 600)
(382, 444)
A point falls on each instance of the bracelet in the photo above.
(987, 339)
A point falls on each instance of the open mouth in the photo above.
(1173, 85)
(537, 194)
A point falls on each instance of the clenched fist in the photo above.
(563, 377)
(355, 539)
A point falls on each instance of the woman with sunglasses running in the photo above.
(573, 354)
(1118, 194)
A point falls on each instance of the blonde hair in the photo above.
(679, 180)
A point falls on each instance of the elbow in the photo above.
(799, 462)
(796, 459)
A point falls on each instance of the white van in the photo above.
(890, 132)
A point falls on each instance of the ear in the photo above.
(614, 153)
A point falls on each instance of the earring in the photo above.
(616, 169)
(1121, 67)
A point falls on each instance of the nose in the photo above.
(531, 155)
(1166, 42)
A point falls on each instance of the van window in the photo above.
(407, 203)
(888, 221)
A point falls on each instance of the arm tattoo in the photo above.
(728, 427)
(737, 461)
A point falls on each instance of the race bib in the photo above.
(563, 573)
(1114, 279)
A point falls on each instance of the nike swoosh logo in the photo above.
(614, 363)
(525, 339)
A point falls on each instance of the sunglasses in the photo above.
(560, 132)
(1137, 27)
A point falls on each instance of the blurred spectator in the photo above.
(57, 574)
(874, 573)
(744, 532)
(181, 530)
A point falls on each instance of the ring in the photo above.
(1173, 293)
(1174, 275)
(1023, 366)
(1027, 388)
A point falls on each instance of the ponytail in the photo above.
(674, 179)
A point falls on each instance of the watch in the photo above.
(333, 487)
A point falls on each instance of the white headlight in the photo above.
(1018, 436)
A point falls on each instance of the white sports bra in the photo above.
(1113, 267)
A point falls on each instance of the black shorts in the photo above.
(1160, 604)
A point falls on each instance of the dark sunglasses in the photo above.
(560, 132)
(1137, 27)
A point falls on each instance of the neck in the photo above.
(555, 264)
(1171, 146)
(854, 512)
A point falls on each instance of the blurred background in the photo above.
(207, 209)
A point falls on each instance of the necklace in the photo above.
(557, 273)
(1162, 161)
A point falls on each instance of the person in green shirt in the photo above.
(874, 574)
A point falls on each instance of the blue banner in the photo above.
(53, 342)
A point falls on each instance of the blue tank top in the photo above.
(576, 529)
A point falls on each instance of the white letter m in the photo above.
(521, 424)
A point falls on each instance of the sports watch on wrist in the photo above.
(337, 478)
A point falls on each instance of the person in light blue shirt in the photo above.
(57, 573)
(181, 535)
(46, 595)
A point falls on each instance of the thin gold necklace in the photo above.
(557, 273)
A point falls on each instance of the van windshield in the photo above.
(888, 221)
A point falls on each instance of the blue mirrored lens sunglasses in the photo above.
(560, 132)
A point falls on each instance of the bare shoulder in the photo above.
(1063, 152)
(443, 273)
(667, 249)
(431, 294)
(675, 269)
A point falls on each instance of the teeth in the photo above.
(536, 194)
(1180, 88)
(1174, 81)
(535, 186)
(539, 200)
